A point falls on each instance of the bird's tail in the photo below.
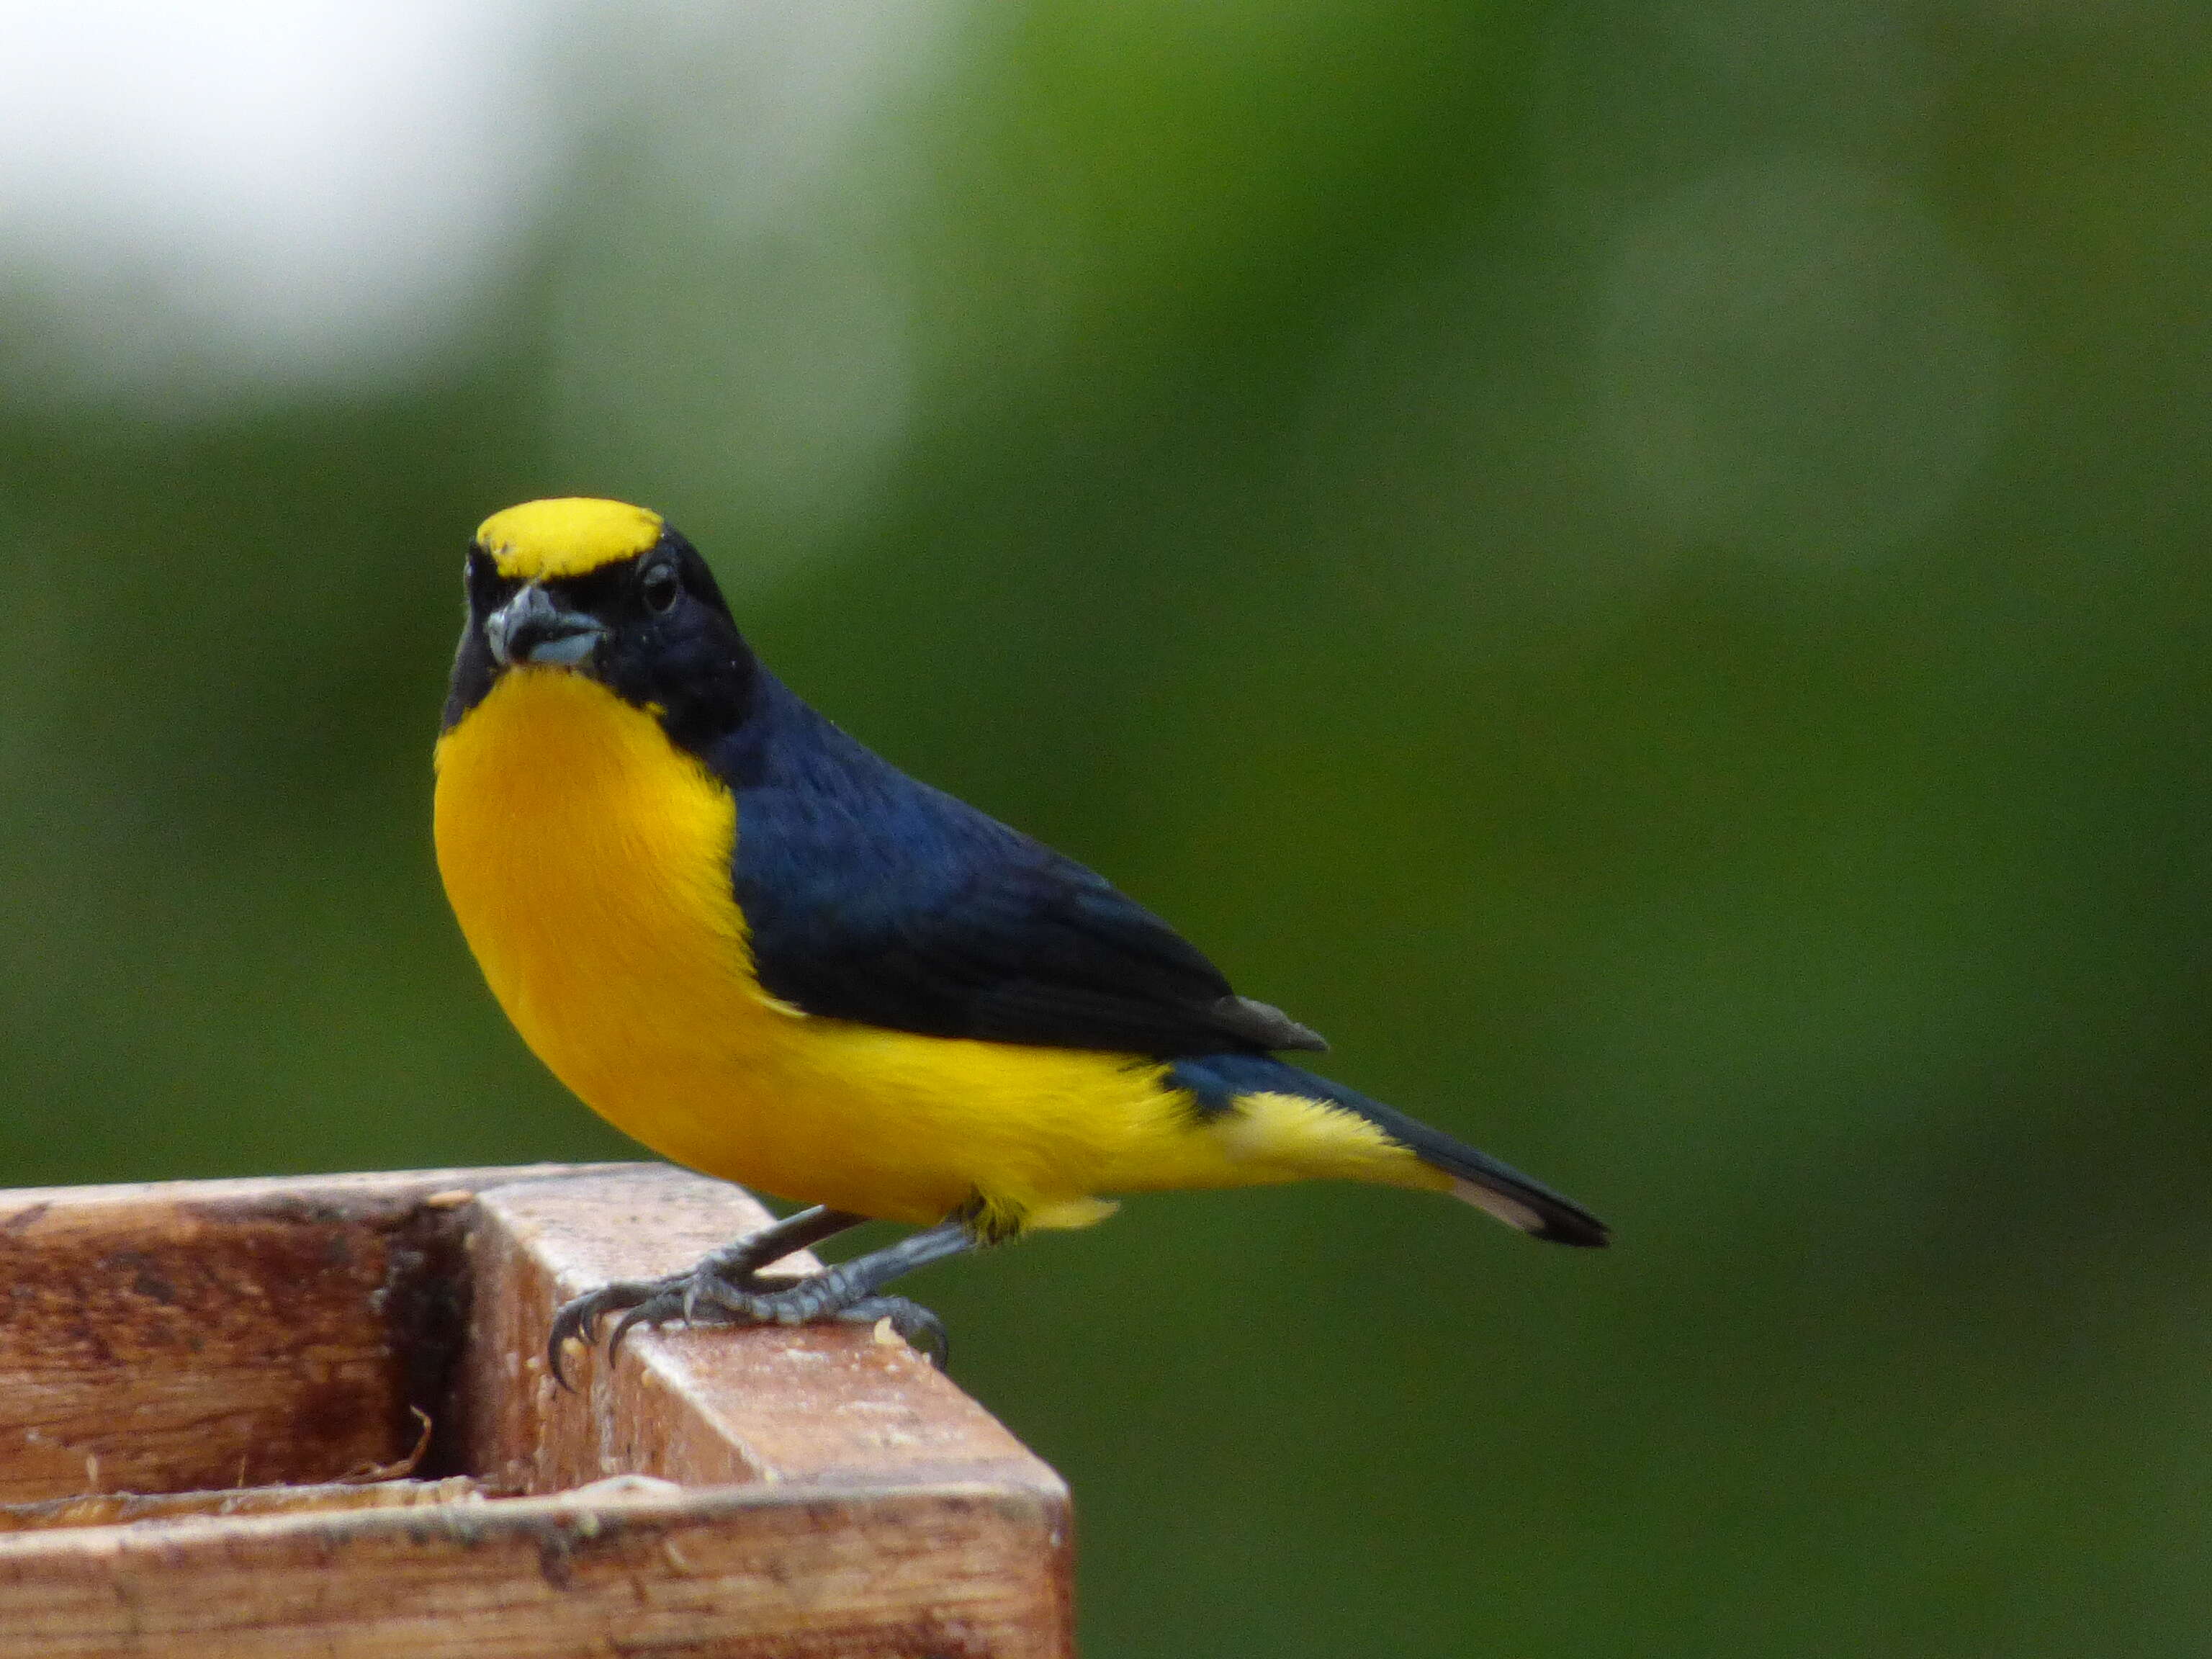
(1222, 1084)
(1479, 1179)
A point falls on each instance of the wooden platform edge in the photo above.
(763, 1493)
(755, 1573)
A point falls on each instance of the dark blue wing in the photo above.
(873, 898)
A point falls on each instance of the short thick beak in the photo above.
(534, 627)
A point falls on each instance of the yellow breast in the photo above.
(588, 862)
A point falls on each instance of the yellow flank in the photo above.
(1300, 1138)
(588, 860)
(566, 536)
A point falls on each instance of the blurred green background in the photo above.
(1642, 566)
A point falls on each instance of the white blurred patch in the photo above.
(1791, 356)
(1510, 1211)
(733, 322)
(198, 201)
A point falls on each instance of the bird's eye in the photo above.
(659, 586)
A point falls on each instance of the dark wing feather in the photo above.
(873, 898)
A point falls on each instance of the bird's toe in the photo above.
(922, 1330)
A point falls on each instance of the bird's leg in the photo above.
(733, 1268)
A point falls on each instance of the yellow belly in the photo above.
(588, 861)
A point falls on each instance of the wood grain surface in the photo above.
(211, 1406)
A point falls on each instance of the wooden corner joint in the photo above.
(245, 1346)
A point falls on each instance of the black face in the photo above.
(652, 628)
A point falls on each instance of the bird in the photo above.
(763, 951)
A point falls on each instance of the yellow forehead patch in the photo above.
(569, 536)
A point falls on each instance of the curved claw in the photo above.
(627, 1323)
(920, 1329)
(579, 1317)
(661, 1311)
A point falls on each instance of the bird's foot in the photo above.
(725, 1288)
(651, 1302)
(702, 1297)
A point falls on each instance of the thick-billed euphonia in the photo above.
(763, 951)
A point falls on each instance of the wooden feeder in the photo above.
(313, 1416)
